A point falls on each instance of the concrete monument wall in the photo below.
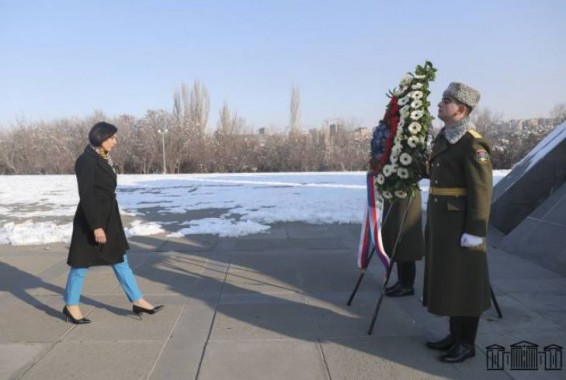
(531, 182)
(529, 204)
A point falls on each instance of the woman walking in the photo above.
(98, 235)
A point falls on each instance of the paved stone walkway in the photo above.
(266, 306)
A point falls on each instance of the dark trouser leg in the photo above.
(403, 287)
(406, 271)
(470, 329)
(455, 326)
(464, 329)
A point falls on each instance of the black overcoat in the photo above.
(457, 278)
(411, 241)
(97, 209)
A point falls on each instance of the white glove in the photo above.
(468, 240)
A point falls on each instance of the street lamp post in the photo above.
(163, 133)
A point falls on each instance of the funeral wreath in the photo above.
(399, 142)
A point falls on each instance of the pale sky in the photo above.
(64, 58)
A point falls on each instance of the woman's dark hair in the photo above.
(101, 132)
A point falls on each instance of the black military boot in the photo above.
(459, 352)
(400, 291)
(443, 344)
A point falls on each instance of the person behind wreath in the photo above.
(411, 242)
(98, 235)
(456, 272)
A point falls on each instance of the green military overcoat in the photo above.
(457, 278)
(411, 243)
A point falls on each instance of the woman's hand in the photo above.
(100, 236)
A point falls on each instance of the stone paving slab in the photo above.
(181, 357)
(96, 360)
(384, 358)
(20, 356)
(263, 359)
(115, 321)
(192, 243)
(334, 319)
(263, 320)
(33, 319)
(268, 306)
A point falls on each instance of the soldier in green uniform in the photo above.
(456, 273)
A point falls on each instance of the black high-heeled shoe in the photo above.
(138, 310)
(69, 316)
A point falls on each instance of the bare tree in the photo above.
(190, 110)
(149, 147)
(485, 121)
(230, 146)
(559, 112)
(199, 107)
(228, 123)
(295, 110)
(8, 152)
(185, 137)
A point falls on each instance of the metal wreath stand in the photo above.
(390, 268)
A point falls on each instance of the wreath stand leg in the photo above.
(495, 303)
(362, 274)
(360, 278)
(392, 258)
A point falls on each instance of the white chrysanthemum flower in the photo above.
(416, 94)
(380, 179)
(397, 148)
(413, 141)
(405, 159)
(387, 170)
(387, 195)
(417, 103)
(404, 100)
(400, 194)
(396, 92)
(394, 157)
(403, 173)
(400, 124)
(414, 127)
(416, 115)
(398, 137)
(406, 80)
(405, 111)
(417, 86)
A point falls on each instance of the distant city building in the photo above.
(333, 129)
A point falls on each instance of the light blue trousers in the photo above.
(123, 273)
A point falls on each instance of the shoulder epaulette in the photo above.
(474, 133)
